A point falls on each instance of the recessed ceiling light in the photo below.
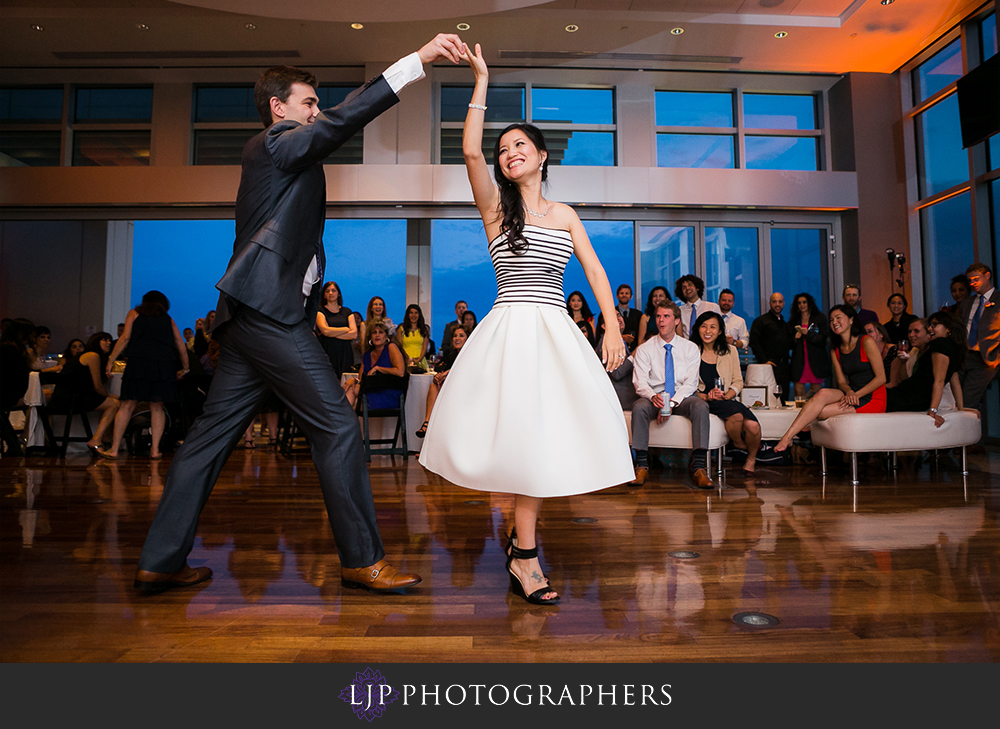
(677, 31)
(250, 26)
(888, 2)
(36, 26)
(463, 26)
(357, 26)
(780, 34)
(142, 26)
(572, 28)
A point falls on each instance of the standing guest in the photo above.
(385, 364)
(458, 340)
(413, 337)
(720, 383)
(337, 330)
(621, 376)
(529, 411)
(898, 326)
(886, 348)
(771, 341)
(155, 350)
(959, 292)
(689, 289)
(938, 365)
(449, 328)
(647, 322)
(579, 311)
(857, 370)
(631, 316)
(980, 313)
(852, 298)
(469, 320)
(357, 348)
(188, 335)
(81, 387)
(204, 335)
(15, 369)
(736, 326)
(375, 313)
(666, 372)
(810, 361)
(267, 310)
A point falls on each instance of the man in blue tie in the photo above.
(666, 368)
(980, 312)
(689, 289)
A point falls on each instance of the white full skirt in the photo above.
(528, 408)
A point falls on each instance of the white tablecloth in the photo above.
(35, 397)
(416, 409)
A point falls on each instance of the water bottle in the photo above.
(665, 410)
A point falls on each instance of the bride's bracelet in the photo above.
(477, 106)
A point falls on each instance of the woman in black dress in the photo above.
(81, 387)
(337, 330)
(647, 322)
(155, 346)
(720, 384)
(940, 363)
(810, 359)
(898, 325)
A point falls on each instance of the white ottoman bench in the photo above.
(892, 432)
(676, 433)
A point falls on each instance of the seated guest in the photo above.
(771, 341)
(647, 322)
(666, 374)
(38, 349)
(336, 327)
(937, 366)
(579, 311)
(621, 376)
(383, 366)
(902, 366)
(413, 337)
(458, 339)
(81, 387)
(15, 370)
(720, 383)
(959, 292)
(810, 361)
(888, 350)
(980, 316)
(736, 326)
(857, 370)
(450, 327)
(852, 298)
(376, 312)
(689, 289)
(898, 326)
(469, 321)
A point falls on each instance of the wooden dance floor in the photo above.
(913, 574)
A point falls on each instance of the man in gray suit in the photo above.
(270, 295)
(980, 313)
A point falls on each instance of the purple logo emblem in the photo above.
(369, 694)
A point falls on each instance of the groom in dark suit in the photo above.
(270, 294)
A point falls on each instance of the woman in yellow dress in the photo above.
(413, 337)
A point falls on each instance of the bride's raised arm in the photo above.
(484, 192)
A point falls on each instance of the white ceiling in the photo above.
(823, 36)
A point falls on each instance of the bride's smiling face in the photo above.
(518, 156)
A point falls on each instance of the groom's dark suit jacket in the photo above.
(281, 209)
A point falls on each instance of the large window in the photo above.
(368, 258)
(112, 126)
(938, 72)
(665, 254)
(578, 123)
(701, 129)
(941, 161)
(798, 263)
(946, 235)
(731, 262)
(225, 118)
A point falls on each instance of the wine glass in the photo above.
(776, 391)
(904, 345)
(718, 383)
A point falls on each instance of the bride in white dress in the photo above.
(528, 409)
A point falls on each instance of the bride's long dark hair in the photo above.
(511, 203)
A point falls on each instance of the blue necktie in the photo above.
(694, 316)
(668, 372)
(974, 328)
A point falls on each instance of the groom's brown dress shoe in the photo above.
(150, 582)
(380, 577)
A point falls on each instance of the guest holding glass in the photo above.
(647, 322)
(337, 329)
(81, 387)
(898, 325)
(458, 338)
(810, 361)
(413, 337)
(938, 365)
(959, 293)
(908, 353)
(155, 349)
(857, 370)
(720, 383)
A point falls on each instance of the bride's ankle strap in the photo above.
(518, 553)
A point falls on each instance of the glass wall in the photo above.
(122, 117)
(798, 264)
(941, 161)
(665, 254)
(946, 237)
(30, 120)
(731, 262)
(368, 258)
